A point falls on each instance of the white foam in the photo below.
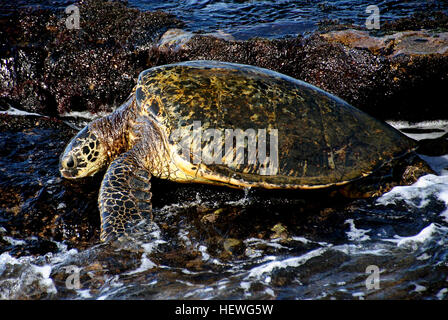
(436, 124)
(6, 259)
(84, 115)
(222, 284)
(61, 206)
(14, 242)
(186, 271)
(253, 253)
(273, 243)
(16, 112)
(360, 249)
(444, 215)
(270, 292)
(156, 239)
(45, 281)
(294, 262)
(441, 294)
(85, 293)
(423, 257)
(359, 295)
(28, 276)
(203, 250)
(420, 193)
(145, 265)
(439, 124)
(355, 234)
(438, 164)
(189, 294)
(245, 285)
(419, 288)
(183, 235)
(111, 286)
(63, 256)
(421, 237)
(149, 247)
(302, 239)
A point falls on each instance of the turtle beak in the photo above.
(68, 174)
(65, 174)
(66, 168)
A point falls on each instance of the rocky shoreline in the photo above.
(50, 70)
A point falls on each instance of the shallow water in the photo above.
(262, 18)
(404, 234)
(215, 243)
(278, 18)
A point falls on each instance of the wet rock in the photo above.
(432, 20)
(175, 39)
(211, 217)
(279, 231)
(434, 147)
(34, 200)
(409, 43)
(27, 247)
(411, 72)
(50, 69)
(279, 55)
(399, 76)
(233, 247)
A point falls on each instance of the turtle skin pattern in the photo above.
(125, 197)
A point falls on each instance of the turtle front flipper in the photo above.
(125, 196)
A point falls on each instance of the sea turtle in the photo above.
(316, 140)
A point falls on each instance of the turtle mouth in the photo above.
(68, 174)
(67, 167)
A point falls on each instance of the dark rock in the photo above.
(50, 69)
(31, 247)
(420, 20)
(34, 200)
(434, 147)
(402, 81)
(402, 76)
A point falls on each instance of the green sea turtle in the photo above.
(316, 140)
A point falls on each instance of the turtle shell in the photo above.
(321, 139)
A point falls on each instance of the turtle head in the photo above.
(84, 156)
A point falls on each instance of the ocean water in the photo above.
(261, 18)
(400, 235)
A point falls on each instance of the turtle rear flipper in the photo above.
(125, 196)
